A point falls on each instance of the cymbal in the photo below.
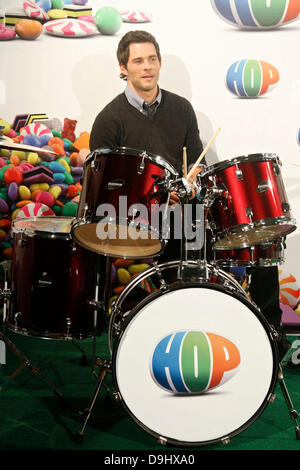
(11, 145)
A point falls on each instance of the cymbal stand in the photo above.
(6, 295)
(105, 369)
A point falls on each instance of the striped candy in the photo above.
(34, 210)
(289, 290)
(257, 14)
(34, 11)
(129, 16)
(70, 28)
(36, 129)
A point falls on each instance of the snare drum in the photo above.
(52, 281)
(252, 207)
(192, 350)
(122, 189)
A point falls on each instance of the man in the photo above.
(145, 117)
(148, 118)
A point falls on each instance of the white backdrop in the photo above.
(75, 78)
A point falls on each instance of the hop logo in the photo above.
(251, 78)
(193, 361)
(257, 14)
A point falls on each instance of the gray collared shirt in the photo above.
(135, 100)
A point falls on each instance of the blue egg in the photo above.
(33, 140)
(59, 177)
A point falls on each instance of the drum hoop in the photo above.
(157, 159)
(255, 157)
(41, 233)
(258, 412)
(242, 228)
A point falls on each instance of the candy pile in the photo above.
(58, 18)
(33, 183)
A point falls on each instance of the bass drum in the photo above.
(194, 363)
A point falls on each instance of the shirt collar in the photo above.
(135, 100)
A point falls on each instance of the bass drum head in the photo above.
(195, 365)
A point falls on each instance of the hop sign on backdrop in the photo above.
(251, 78)
(257, 14)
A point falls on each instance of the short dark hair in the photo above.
(130, 38)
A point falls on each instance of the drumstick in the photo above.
(184, 163)
(202, 154)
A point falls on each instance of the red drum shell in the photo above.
(110, 174)
(52, 280)
(253, 208)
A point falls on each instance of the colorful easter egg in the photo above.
(108, 20)
(289, 289)
(70, 28)
(172, 364)
(34, 209)
(133, 16)
(6, 33)
(33, 10)
(257, 14)
(251, 78)
(28, 29)
(36, 129)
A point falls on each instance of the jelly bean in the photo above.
(2, 234)
(3, 206)
(63, 162)
(13, 174)
(7, 252)
(72, 191)
(46, 198)
(24, 192)
(14, 214)
(123, 276)
(23, 203)
(118, 289)
(2, 162)
(137, 268)
(59, 177)
(68, 178)
(57, 167)
(5, 224)
(70, 209)
(35, 193)
(55, 191)
(123, 263)
(22, 155)
(13, 191)
(56, 209)
(32, 158)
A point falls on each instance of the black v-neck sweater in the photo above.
(173, 126)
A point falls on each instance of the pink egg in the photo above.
(6, 33)
(45, 198)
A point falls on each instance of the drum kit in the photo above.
(194, 362)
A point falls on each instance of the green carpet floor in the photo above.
(34, 418)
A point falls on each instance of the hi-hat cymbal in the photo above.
(11, 145)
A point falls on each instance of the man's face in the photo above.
(142, 69)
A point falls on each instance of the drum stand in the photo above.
(6, 294)
(186, 272)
